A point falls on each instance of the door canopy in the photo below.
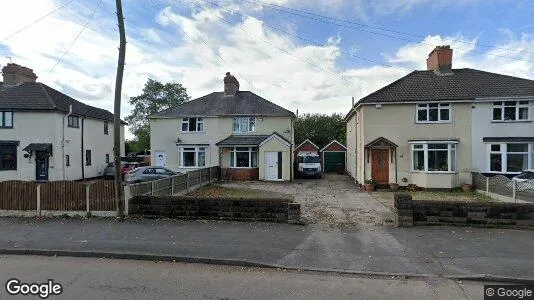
(381, 142)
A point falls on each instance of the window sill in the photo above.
(501, 173)
(433, 122)
(193, 167)
(6, 127)
(188, 132)
(3, 170)
(243, 167)
(512, 121)
(436, 172)
(245, 132)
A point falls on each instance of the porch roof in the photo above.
(242, 140)
(45, 147)
(381, 142)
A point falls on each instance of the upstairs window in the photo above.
(74, 122)
(106, 127)
(244, 124)
(192, 124)
(6, 119)
(511, 111)
(433, 112)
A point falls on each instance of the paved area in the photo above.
(90, 278)
(439, 251)
(332, 200)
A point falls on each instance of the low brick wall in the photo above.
(185, 207)
(416, 212)
(238, 174)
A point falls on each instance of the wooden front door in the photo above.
(380, 165)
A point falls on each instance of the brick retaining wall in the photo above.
(416, 212)
(240, 174)
(185, 207)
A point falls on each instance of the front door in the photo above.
(41, 166)
(161, 159)
(273, 165)
(380, 165)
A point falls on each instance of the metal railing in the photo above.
(503, 188)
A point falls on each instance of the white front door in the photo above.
(161, 159)
(271, 166)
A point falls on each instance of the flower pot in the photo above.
(467, 187)
(369, 187)
(394, 187)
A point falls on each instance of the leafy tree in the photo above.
(320, 129)
(156, 97)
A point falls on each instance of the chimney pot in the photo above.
(15, 74)
(231, 85)
(440, 60)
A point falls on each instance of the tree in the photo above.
(320, 129)
(156, 97)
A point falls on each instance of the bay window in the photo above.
(244, 157)
(510, 111)
(511, 157)
(433, 113)
(191, 157)
(434, 156)
(244, 124)
(192, 124)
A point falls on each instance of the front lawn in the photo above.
(386, 198)
(215, 191)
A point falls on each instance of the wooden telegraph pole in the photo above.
(119, 194)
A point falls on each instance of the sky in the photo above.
(307, 55)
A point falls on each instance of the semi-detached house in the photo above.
(434, 127)
(46, 135)
(247, 136)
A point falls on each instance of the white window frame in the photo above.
(250, 127)
(196, 151)
(503, 151)
(3, 123)
(426, 107)
(199, 121)
(517, 105)
(452, 148)
(233, 153)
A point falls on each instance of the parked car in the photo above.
(525, 180)
(309, 165)
(109, 171)
(144, 174)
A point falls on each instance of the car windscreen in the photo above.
(309, 159)
(525, 175)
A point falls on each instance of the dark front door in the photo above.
(41, 166)
(380, 165)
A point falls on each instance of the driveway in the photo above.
(333, 200)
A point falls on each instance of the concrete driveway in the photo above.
(333, 200)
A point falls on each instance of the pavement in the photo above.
(333, 199)
(450, 252)
(92, 278)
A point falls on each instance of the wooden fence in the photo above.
(57, 196)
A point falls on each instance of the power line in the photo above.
(311, 41)
(205, 43)
(76, 38)
(273, 45)
(35, 22)
(324, 19)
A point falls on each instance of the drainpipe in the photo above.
(83, 163)
(396, 174)
(63, 141)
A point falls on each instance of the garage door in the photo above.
(331, 159)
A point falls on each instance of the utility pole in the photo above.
(119, 194)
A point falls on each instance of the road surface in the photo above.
(97, 278)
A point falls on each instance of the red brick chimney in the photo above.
(231, 85)
(15, 74)
(440, 59)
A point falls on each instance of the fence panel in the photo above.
(479, 181)
(102, 196)
(525, 190)
(501, 185)
(193, 178)
(504, 186)
(63, 195)
(214, 172)
(179, 183)
(138, 189)
(18, 195)
(162, 187)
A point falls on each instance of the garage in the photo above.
(334, 155)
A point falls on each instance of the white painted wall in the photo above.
(165, 131)
(47, 127)
(351, 146)
(483, 126)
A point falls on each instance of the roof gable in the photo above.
(306, 141)
(244, 103)
(333, 143)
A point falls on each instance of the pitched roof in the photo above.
(463, 84)
(216, 104)
(307, 141)
(32, 96)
